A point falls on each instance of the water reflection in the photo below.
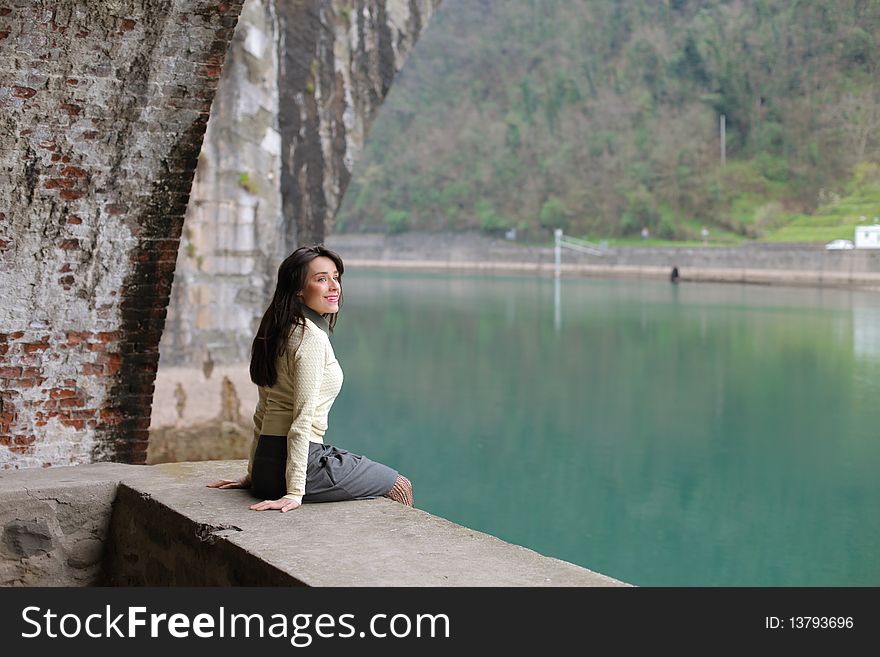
(866, 332)
(557, 303)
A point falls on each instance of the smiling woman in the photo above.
(293, 363)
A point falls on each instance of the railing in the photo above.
(575, 244)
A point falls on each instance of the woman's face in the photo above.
(323, 286)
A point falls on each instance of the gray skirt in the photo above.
(332, 474)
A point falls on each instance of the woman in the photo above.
(298, 376)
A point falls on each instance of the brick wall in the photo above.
(103, 107)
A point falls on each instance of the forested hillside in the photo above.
(603, 117)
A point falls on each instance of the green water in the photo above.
(698, 434)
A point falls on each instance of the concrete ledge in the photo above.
(167, 528)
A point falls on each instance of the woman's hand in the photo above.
(244, 482)
(283, 504)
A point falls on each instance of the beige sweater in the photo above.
(309, 379)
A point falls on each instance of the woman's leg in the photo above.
(401, 491)
(334, 475)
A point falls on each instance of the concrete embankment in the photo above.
(784, 264)
(114, 524)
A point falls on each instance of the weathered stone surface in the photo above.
(340, 58)
(86, 552)
(55, 537)
(301, 86)
(54, 524)
(103, 109)
(214, 426)
(23, 539)
(205, 441)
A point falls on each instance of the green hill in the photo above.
(603, 117)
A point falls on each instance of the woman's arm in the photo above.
(307, 372)
(244, 482)
(254, 441)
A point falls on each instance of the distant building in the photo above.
(868, 237)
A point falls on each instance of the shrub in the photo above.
(641, 211)
(772, 168)
(553, 215)
(396, 221)
(490, 220)
(769, 217)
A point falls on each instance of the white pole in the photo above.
(723, 130)
(558, 234)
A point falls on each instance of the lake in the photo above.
(664, 435)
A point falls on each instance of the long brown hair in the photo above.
(286, 311)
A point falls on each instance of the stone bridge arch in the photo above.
(104, 112)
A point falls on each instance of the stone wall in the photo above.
(340, 58)
(301, 86)
(103, 108)
(476, 247)
(233, 222)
